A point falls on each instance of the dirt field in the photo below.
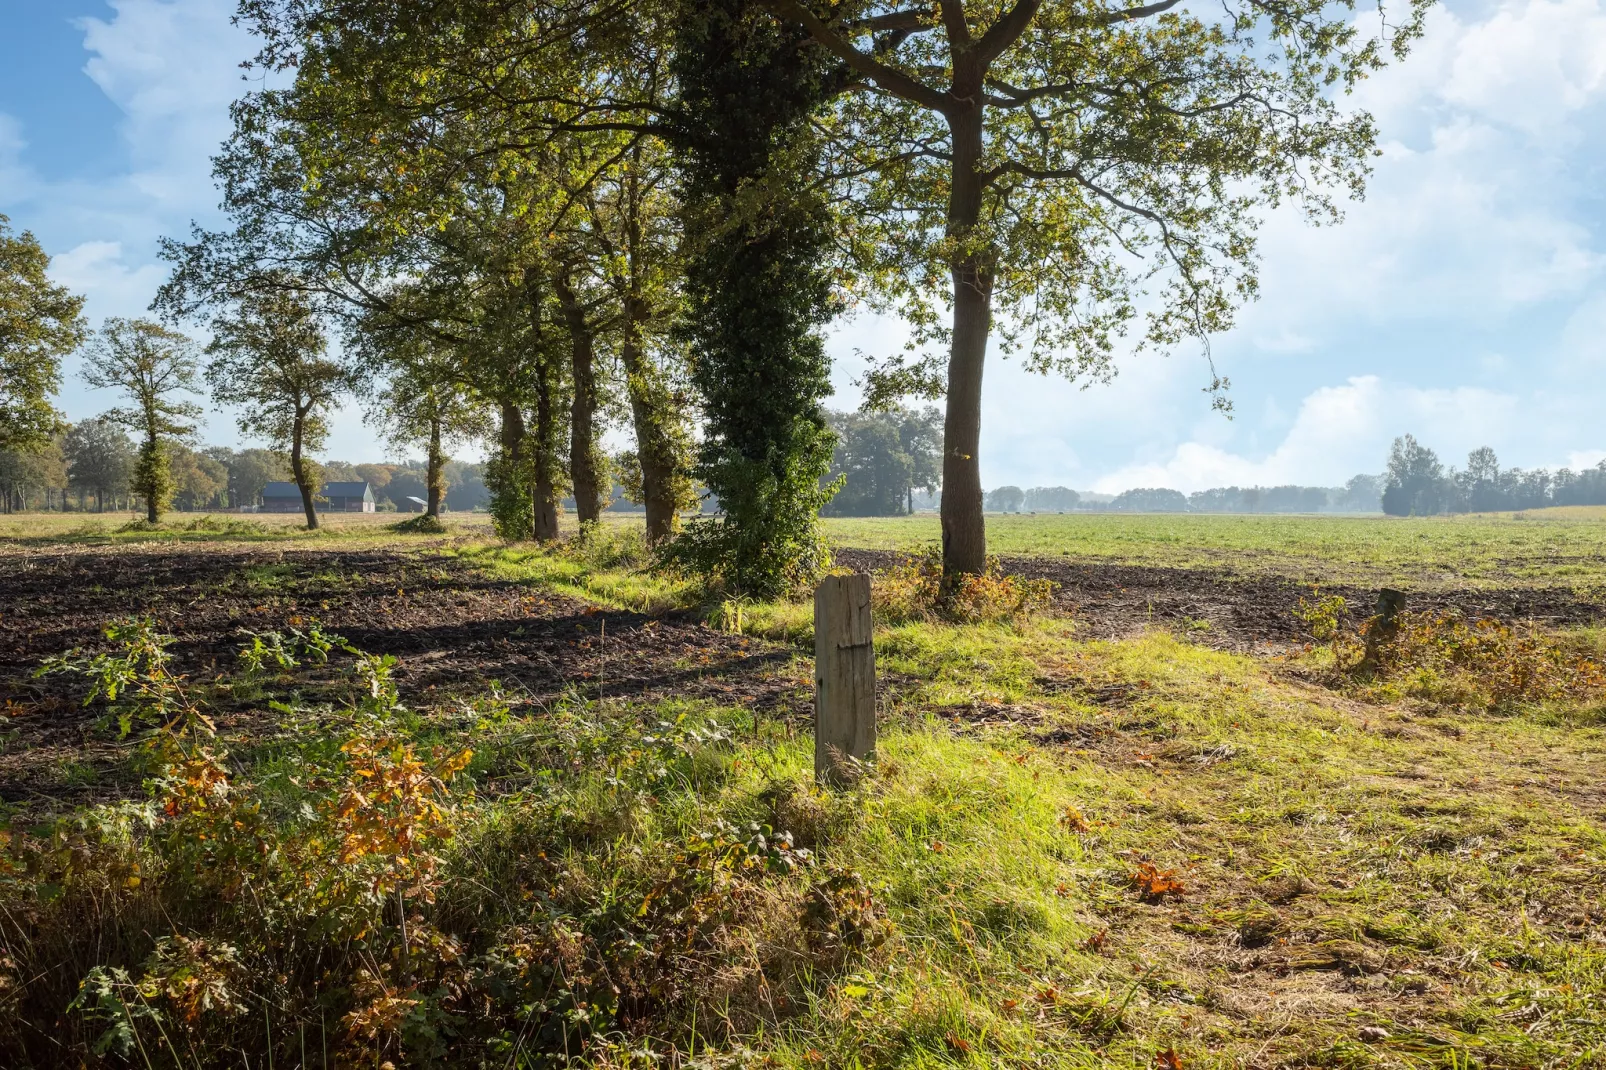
(1234, 610)
(452, 628)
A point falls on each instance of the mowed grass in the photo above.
(1553, 547)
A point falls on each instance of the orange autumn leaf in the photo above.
(1155, 884)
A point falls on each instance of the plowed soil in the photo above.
(452, 628)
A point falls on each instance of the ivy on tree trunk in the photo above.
(757, 291)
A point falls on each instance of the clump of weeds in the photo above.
(914, 591)
(1449, 659)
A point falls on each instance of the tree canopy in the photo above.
(40, 323)
(655, 208)
(153, 367)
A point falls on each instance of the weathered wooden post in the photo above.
(1385, 624)
(844, 678)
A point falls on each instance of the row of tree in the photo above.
(1418, 484)
(549, 216)
(91, 467)
(1362, 494)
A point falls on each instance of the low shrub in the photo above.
(422, 524)
(602, 547)
(914, 591)
(349, 894)
(1446, 657)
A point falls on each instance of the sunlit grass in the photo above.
(1560, 547)
(1369, 877)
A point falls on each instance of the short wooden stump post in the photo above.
(844, 678)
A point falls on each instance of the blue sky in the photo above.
(1464, 301)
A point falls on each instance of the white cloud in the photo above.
(1474, 208)
(173, 68)
(1531, 65)
(16, 179)
(1339, 431)
(100, 268)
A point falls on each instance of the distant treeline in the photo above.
(1417, 484)
(1362, 494)
(90, 467)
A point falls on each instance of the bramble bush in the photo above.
(1445, 657)
(343, 896)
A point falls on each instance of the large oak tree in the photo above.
(1055, 166)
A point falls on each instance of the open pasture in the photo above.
(1545, 548)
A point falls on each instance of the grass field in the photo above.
(571, 824)
(45, 529)
(1565, 547)
(1553, 547)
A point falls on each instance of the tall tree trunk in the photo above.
(298, 470)
(584, 471)
(964, 532)
(437, 461)
(547, 505)
(152, 445)
(509, 477)
(652, 412)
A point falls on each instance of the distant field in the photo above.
(1548, 548)
(1558, 547)
(94, 528)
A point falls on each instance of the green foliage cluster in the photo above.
(40, 323)
(1417, 484)
(882, 458)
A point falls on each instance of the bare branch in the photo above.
(888, 78)
(1007, 30)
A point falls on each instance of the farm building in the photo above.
(356, 497)
(284, 497)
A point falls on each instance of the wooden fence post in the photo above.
(844, 678)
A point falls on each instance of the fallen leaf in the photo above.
(1155, 884)
(1072, 819)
